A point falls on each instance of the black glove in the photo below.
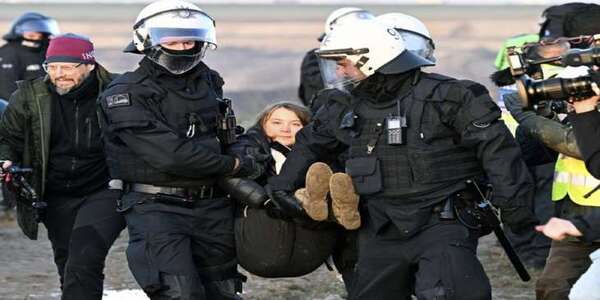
(246, 191)
(248, 168)
(519, 220)
(274, 212)
(287, 203)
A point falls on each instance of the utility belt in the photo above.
(445, 209)
(185, 197)
(462, 206)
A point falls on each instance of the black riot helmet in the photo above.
(32, 22)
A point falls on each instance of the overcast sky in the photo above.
(342, 2)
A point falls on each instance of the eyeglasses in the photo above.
(67, 69)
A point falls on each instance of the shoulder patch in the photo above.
(118, 100)
(34, 67)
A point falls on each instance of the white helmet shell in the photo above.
(405, 22)
(370, 46)
(172, 20)
(415, 34)
(344, 14)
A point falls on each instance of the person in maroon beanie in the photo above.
(51, 126)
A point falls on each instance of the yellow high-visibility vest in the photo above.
(572, 178)
(510, 122)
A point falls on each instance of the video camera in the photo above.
(14, 177)
(535, 92)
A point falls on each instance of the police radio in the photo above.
(227, 129)
(395, 132)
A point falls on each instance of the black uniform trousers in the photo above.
(82, 230)
(182, 253)
(439, 262)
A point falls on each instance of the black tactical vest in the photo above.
(429, 160)
(190, 116)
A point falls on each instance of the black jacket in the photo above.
(462, 109)
(25, 131)
(18, 62)
(587, 132)
(254, 143)
(160, 128)
(77, 164)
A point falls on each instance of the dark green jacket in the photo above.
(25, 136)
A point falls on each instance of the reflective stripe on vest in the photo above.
(572, 178)
(510, 122)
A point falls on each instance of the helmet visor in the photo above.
(335, 76)
(159, 35)
(47, 26)
(180, 26)
(418, 44)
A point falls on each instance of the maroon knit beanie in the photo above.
(70, 47)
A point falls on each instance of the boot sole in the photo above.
(314, 209)
(317, 188)
(344, 201)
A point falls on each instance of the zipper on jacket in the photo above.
(88, 125)
(73, 167)
(76, 125)
(42, 144)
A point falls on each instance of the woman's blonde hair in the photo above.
(302, 112)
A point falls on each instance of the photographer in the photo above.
(568, 258)
(50, 125)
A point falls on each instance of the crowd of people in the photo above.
(375, 169)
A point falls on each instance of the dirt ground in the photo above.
(260, 50)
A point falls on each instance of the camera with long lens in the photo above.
(534, 93)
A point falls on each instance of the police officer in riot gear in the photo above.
(22, 56)
(310, 75)
(413, 139)
(160, 133)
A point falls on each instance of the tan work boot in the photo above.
(314, 195)
(344, 201)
